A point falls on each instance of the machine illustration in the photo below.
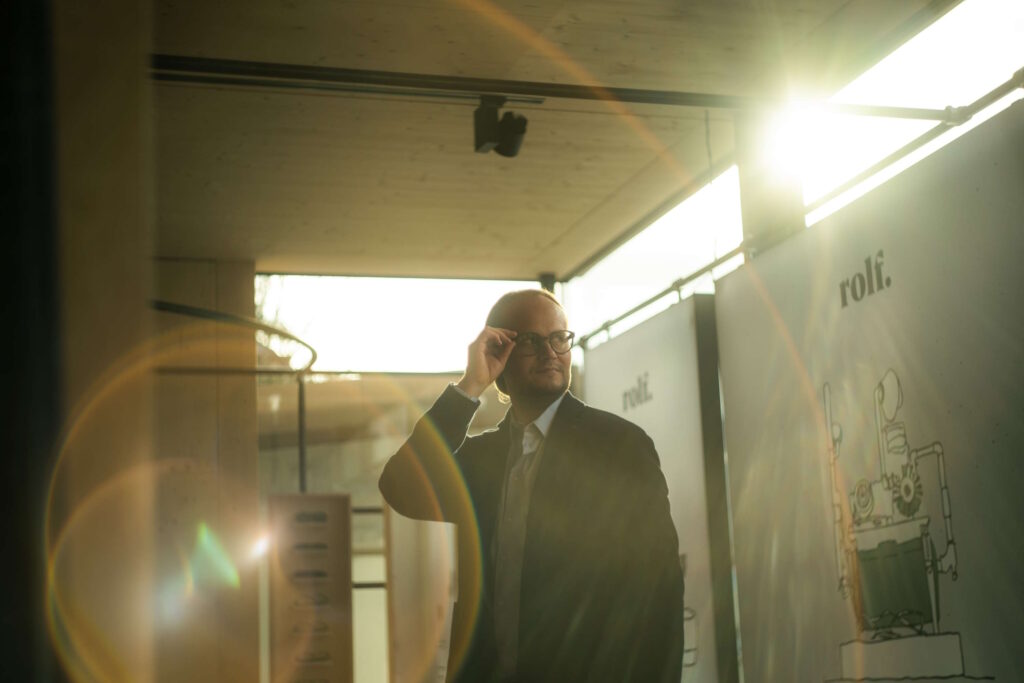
(893, 545)
(690, 632)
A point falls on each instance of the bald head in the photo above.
(533, 376)
(504, 311)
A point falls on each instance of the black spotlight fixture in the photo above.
(505, 135)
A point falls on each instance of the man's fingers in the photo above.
(502, 333)
(488, 355)
(506, 351)
(496, 338)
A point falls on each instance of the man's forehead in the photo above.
(537, 309)
(532, 309)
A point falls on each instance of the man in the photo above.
(568, 566)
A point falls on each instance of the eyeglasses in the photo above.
(531, 343)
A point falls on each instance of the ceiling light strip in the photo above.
(674, 287)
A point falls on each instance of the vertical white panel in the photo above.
(649, 375)
(873, 378)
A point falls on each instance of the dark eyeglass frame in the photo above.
(529, 343)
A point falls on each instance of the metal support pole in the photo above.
(302, 433)
(547, 281)
(214, 71)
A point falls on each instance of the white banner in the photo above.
(873, 379)
(649, 375)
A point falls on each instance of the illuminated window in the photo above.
(966, 54)
(696, 232)
(363, 324)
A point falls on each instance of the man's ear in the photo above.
(503, 396)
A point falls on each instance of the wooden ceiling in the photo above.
(307, 181)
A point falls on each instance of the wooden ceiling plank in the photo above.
(433, 37)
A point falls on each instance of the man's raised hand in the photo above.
(487, 357)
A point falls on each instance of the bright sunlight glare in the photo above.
(791, 135)
(975, 47)
(260, 547)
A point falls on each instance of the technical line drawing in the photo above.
(885, 551)
(690, 631)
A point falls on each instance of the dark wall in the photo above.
(29, 355)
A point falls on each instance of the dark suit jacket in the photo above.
(602, 589)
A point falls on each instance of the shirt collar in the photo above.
(543, 421)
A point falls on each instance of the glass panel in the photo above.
(277, 410)
(276, 403)
(367, 534)
(368, 569)
(354, 423)
(344, 467)
(370, 635)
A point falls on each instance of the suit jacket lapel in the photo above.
(559, 461)
(490, 476)
(560, 439)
